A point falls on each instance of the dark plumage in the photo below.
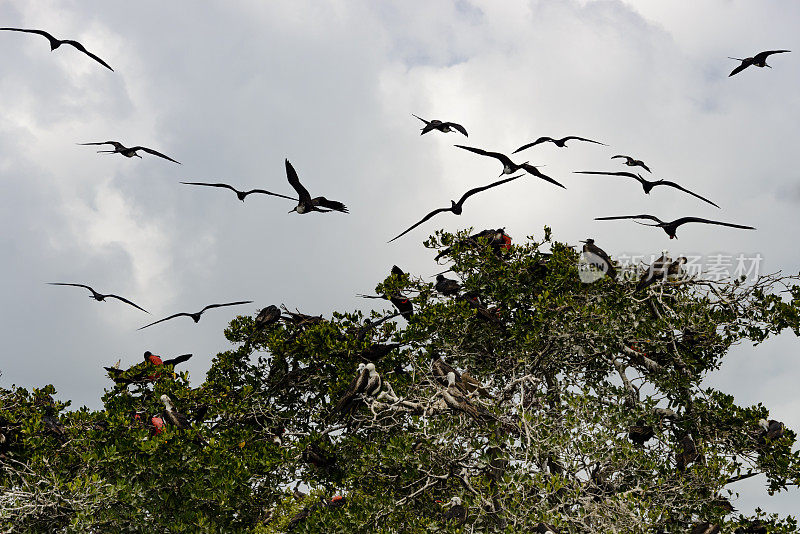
(446, 286)
(497, 239)
(174, 417)
(455, 511)
(99, 296)
(196, 316)
(561, 143)
(367, 382)
(509, 167)
(55, 43)
(671, 227)
(456, 207)
(267, 316)
(306, 203)
(759, 60)
(648, 185)
(640, 433)
(240, 194)
(400, 301)
(156, 360)
(631, 162)
(598, 257)
(129, 152)
(771, 430)
(688, 453)
(443, 127)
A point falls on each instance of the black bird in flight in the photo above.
(671, 227)
(561, 143)
(55, 43)
(759, 60)
(240, 194)
(630, 162)
(119, 148)
(196, 316)
(648, 185)
(444, 127)
(456, 207)
(509, 167)
(306, 203)
(99, 296)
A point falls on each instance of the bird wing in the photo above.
(676, 186)
(619, 173)
(76, 285)
(423, 120)
(458, 127)
(740, 68)
(177, 359)
(539, 174)
(428, 216)
(165, 319)
(533, 143)
(155, 153)
(761, 56)
(332, 204)
(127, 302)
(356, 386)
(684, 220)
(564, 140)
(621, 156)
(116, 144)
(644, 216)
(642, 165)
(265, 192)
(496, 155)
(471, 192)
(40, 32)
(226, 304)
(294, 181)
(80, 47)
(226, 186)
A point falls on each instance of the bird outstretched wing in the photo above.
(155, 153)
(80, 47)
(676, 186)
(127, 302)
(294, 181)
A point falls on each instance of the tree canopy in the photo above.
(515, 398)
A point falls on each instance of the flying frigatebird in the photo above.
(196, 316)
(509, 167)
(307, 204)
(631, 162)
(444, 127)
(456, 207)
(561, 143)
(759, 60)
(128, 152)
(671, 227)
(55, 43)
(648, 185)
(99, 296)
(241, 194)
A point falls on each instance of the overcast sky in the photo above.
(231, 89)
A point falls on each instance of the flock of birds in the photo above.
(367, 381)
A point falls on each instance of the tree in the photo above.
(523, 400)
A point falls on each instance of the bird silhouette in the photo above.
(648, 185)
(456, 207)
(561, 143)
(444, 127)
(306, 203)
(55, 43)
(631, 162)
(128, 152)
(671, 226)
(196, 316)
(759, 60)
(509, 167)
(99, 296)
(241, 194)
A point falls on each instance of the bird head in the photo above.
(455, 501)
(370, 367)
(361, 367)
(588, 241)
(167, 402)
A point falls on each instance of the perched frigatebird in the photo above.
(307, 204)
(661, 269)
(561, 143)
(648, 185)
(509, 167)
(631, 162)
(400, 301)
(366, 383)
(444, 127)
(55, 43)
(688, 453)
(196, 316)
(128, 152)
(267, 316)
(772, 429)
(456, 207)
(446, 286)
(455, 511)
(671, 227)
(759, 60)
(99, 296)
(174, 417)
(156, 360)
(598, 257)
(640, 433)
(497, 239)
(241, 194)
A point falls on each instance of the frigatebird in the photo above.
(509, 167)
(648, 185)
(759, 60)
(561, 143)
(306, 203)
(240, 194)
(400, 301)
(688, 454)
(772, 429)
(128, 152)
(497, 239)
(640, 433)
(446, 286)
(196, 316)
(671, 227)
(366, 383)
(269, 315)
(174, 417)
(663, 268)
(630, 162)
(55, 43)
(456, 207)
(443, 127)
(99, 296)
(604, 264)
(455, 398)
(455, 512)
(156, 360)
